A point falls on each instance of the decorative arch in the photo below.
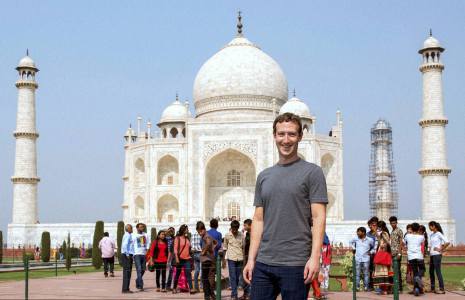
(168, 209)
(229, 178)
(174, 132)
(327, 163)
(139, 176)
(234, 210)
(139, 207)
(168, 170)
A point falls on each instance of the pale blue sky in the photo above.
(105, 62)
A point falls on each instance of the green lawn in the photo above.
(49, 273)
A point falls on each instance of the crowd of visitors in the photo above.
(376, 250)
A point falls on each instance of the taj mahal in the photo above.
(201, 162)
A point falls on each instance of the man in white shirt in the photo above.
(141, 244)
(107, 247)
(415, 257)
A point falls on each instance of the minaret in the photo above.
(130, 138)
(25, 178)
(434, 170)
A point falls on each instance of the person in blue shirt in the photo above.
(362, 246)
(127, 253)
(215, 234)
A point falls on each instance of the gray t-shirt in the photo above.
(285, 192)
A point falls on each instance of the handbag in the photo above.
(383, 258)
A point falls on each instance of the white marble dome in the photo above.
(431, 42)
(241, 70)
(175, 112)
(26, 62)
(297, 107)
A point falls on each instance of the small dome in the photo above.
(382, 125)
(431, 42)
(297, 107)
(175, 112)
(26, 62)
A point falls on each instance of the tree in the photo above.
(64, 248)
(96, 252)
(68, 254)
(45, 246)
(153, 234)
(1, 247)
(119, 240)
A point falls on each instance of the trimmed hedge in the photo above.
(153, 234)
(45, 246)
(119, 240)
(68, 254)
(96, 253)
(1, 247)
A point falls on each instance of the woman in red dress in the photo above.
(158, 258)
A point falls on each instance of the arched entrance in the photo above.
(229, 186)
(168, 209)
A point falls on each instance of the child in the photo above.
(415, 257)
(362, 247)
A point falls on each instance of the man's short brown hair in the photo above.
(288, 117)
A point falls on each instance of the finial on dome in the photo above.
(177, 97)
(430, 32)
(27, 51)
(239, 23)
(293, 93)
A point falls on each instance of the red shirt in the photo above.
(161, 258)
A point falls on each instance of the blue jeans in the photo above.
(139, 260)
(234, 268)
(365, 268)
(197, 270)
(268, 281)
(435, 266)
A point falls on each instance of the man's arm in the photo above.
(255, 238)
(318, 230)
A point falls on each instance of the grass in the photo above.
(34, 274)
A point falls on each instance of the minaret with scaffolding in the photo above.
(383, 184)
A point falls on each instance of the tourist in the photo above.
(382, 275)
(234, 247)
(158, 258)
(373, 234)
(207, 258)
(37, 253)
(438, 244)
(285, 248)
(415, 257)
(326, 257)
(127, 253)
(107, 247)
(182, 247)
(140, 250)
(424, 245)
(196, 249)
(396, 247)
(171, 261)
(362, 246)
(246, 227)
(215, 234)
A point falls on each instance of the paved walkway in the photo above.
(95, 286)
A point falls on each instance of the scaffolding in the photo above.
(382, 180)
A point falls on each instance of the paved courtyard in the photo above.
(95, 286)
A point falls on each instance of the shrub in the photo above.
(68, 255)
(96, 253)
(1, 246)
(74, 252)
(119, 240)
(153, 234)
(89, 253)
(45, 246)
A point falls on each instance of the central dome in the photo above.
(241, 78)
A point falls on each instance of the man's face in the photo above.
(234, 230)
(201, 232)
(394, 224)
(247, 227)
(360, 234)
(141, 228)
(129, 228)
(287, 139)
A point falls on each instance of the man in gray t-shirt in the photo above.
(289, 220)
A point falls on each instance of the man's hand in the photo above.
(312, 268)
(248, 271)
